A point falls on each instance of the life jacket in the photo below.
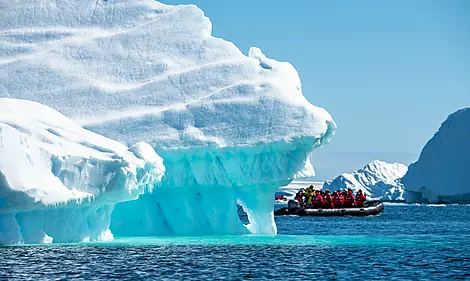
(327, 200)
(349, 199)
(317, 200)
(360, 199)
(338, 200)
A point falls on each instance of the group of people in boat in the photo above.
(311, 198)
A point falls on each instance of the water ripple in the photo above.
(405, 243)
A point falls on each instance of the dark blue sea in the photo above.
(406, 242)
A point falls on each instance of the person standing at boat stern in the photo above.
(338, 199)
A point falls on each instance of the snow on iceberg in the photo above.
(58, 181)
(230, 128)
(441, 172)
(378, 179)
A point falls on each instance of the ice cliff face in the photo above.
(441, 172)
(59, 182)
(230, 128)
(379, 180)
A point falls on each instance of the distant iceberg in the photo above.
(229, 127)
(59, 182)
(378, 179)
(442, 170)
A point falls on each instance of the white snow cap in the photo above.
(377, 179)
(442, 170)
(143, 71)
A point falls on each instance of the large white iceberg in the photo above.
(378, 179)
(442, 170)
(58, 181)
(230, 128)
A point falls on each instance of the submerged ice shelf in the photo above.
(230, 127)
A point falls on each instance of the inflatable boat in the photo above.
(370, 208)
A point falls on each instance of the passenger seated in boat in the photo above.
(348, 199)
(327, 200)
(317, 201)
(299, 197)
(338, 199)
(360, 198)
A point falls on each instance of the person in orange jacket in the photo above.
(349, 199)
(327, 200)
(360, 198)
(338, 199)
(317, 200)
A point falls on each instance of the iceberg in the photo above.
(378, 179)
(60, 182)
(440, 174)
(231, 128)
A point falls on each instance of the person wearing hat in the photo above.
(360, 198)
(338, 199)
(317, 200)
(299, 197)
(327, 201)
(349, 199)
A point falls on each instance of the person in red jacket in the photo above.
(360, 198)
(338, 200)
(327, 200)
(349, 199)
(317, 200)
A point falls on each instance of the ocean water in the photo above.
(406, 242)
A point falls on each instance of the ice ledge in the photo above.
(212, 181)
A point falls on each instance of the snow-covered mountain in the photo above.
(377, 179)
(59, 182)
(441, 172)
(230, 127)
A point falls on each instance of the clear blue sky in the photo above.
(389, 72)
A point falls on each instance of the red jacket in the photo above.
(360, 199)
(338, 200)
(327, 202)
(349, 199)
(317, 200)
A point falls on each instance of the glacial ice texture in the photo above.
(58, 181)
(441, 172)
(227, 125)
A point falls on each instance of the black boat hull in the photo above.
(371, 208)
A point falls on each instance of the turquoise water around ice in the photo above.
(406, 242)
